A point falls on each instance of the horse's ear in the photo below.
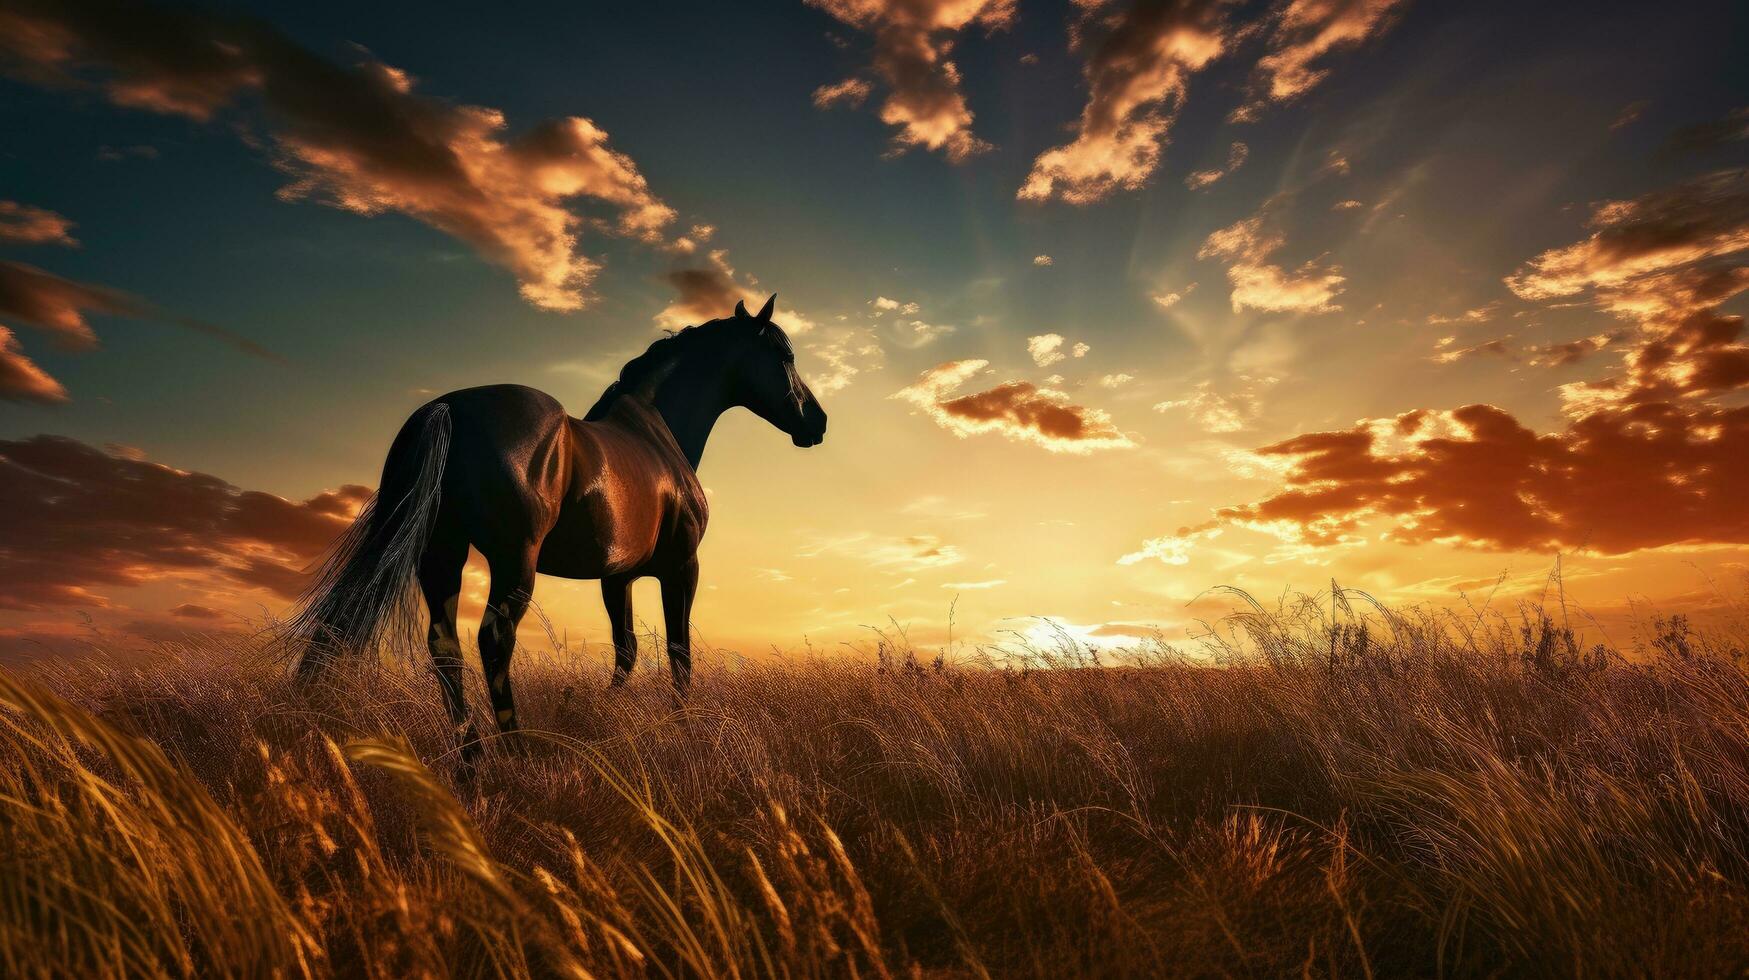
(741, 310)
(765, 311)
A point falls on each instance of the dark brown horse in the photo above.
(612, 496)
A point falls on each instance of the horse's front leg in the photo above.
(616, 594)
(678, 588)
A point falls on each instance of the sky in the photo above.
(1110, 303)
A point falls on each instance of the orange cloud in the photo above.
(1666, 261)
(1613, 482)
(1222, 412)
(357, 137)
(57, 306)
(1697, 220)
(852, 92)
(1017, 410)
(710, 292)
(21, 380)
(1137, 75)
(1559, 354)
(1651, 457)
(1304, 33)
(76, 520)
(913, 42)
(1261, 285)
(1201, 179)
(21, 224)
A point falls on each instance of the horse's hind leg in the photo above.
(440, 580)
(512, 588)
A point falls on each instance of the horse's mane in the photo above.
(641, 367)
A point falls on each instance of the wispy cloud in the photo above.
(21, 380)
(21, 224)
(1202, 179)
(915, 553)
(1221, 412)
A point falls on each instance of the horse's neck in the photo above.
(689, 401)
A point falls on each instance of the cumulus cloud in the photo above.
(1302, 36)
(1201, 179)
(1613, 482)
(356, 137)
(1116, 380)
(1139, 63)
(1047, 349)
(695, 237)
(1017, 410)
(1167, 299)
(1262, 285)
(1138, 68)
(1043, 260)
(883, 305)
(1700, 219)
(710, 292)
(1655, 455)
(1664, 261)
(913, 45)
(77, 522)
(21, 224)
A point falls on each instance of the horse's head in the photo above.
(763, 378)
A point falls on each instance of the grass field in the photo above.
(1411, 797)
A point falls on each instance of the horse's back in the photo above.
(508, 462)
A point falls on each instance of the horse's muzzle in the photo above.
(812, 433)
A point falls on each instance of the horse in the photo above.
(611, 496)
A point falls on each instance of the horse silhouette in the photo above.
(612, 496)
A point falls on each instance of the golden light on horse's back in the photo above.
(611, 496)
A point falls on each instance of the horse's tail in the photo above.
(364, 589)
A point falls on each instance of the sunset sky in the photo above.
(1109, 303)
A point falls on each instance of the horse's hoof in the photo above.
(472, 748)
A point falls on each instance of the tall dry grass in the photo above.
(1382, 795)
